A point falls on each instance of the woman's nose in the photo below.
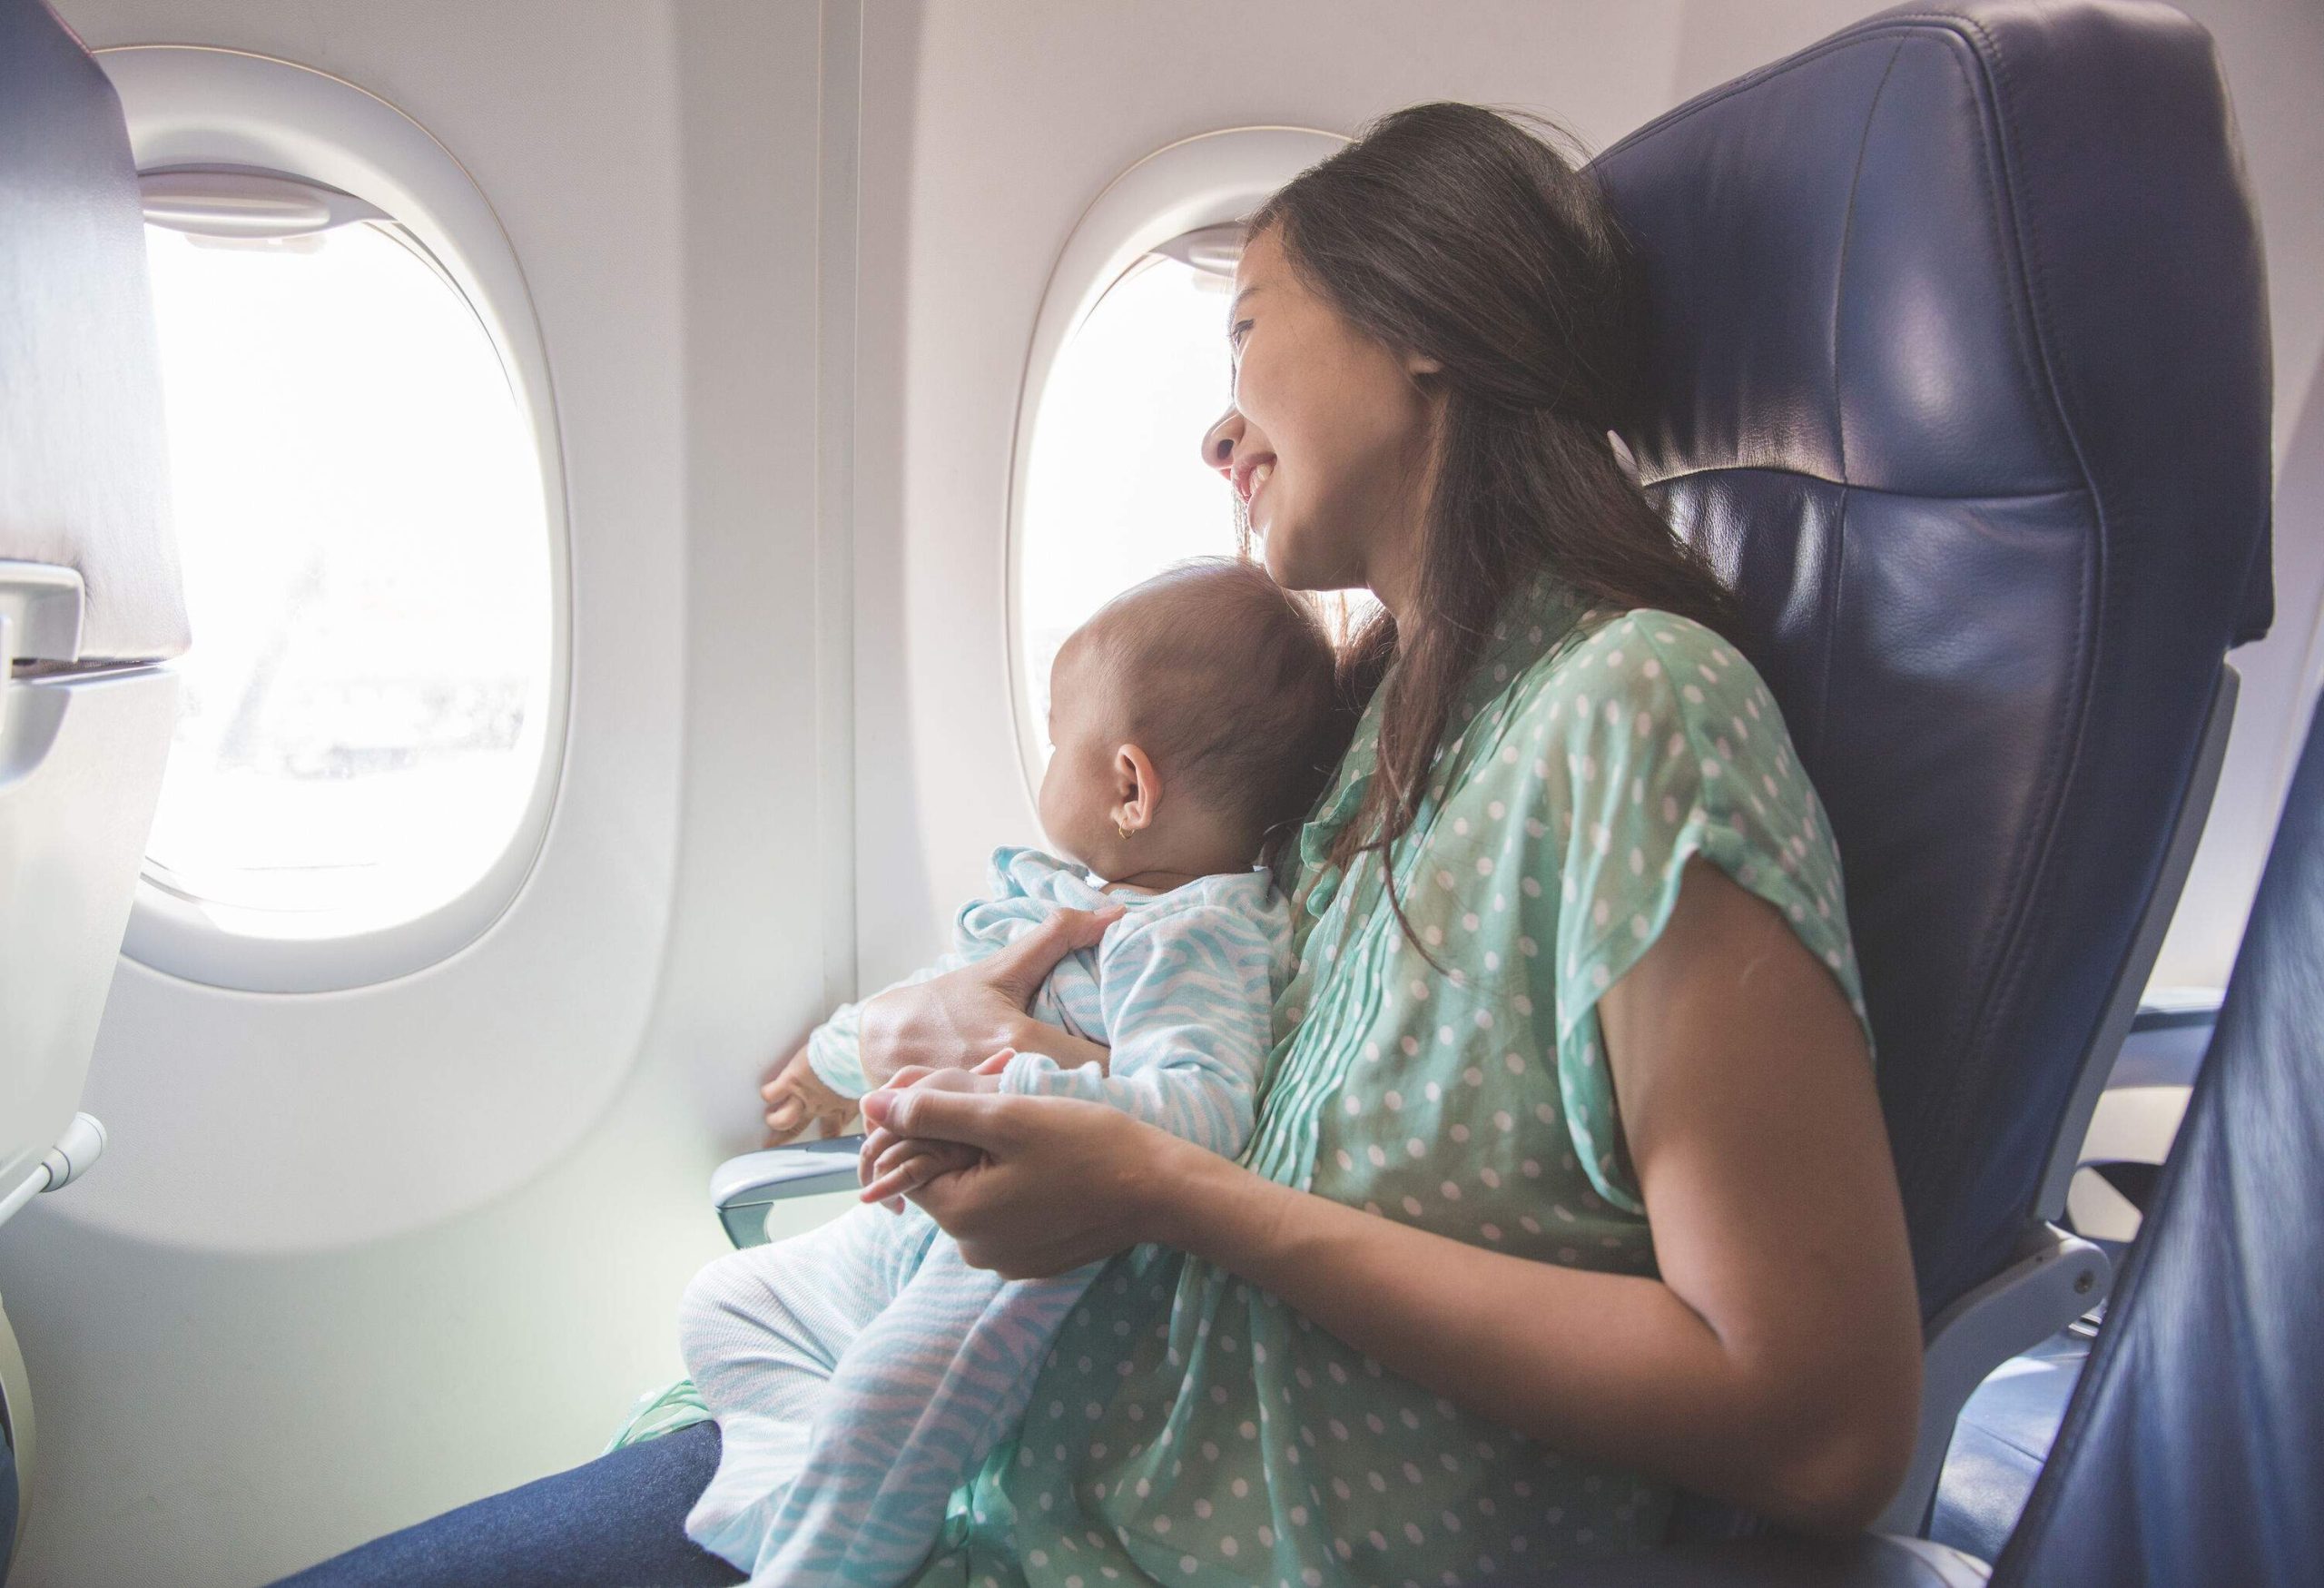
(1219, 441)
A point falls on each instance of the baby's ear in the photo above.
(1137, 787)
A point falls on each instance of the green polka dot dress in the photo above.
(1188, 1429)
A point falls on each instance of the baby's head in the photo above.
(1194, 721)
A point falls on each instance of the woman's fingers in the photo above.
(875, 1143)
(906, 1176)
(893, 1158)
(1070, 1181)
(978, 1119)
(882, 1135)
(997, 1064)
(920, 1163)
(959, 1018)
(949, 1156)
(1019, 970)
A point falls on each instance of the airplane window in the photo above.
(1115, 490)
(360, 516)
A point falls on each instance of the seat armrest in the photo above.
(742, 1189)
(1871, 1560)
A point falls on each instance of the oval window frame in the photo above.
(202, 105)
(1207, 179)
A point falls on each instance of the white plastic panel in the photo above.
(358, 1107)
(355, 1257)
(80, 769)
(200, 107)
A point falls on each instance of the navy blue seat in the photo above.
(1960, 374)
(2001, 1443)
(2008, 1425)
(2192, 1452)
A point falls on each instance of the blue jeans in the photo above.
(617, 1522)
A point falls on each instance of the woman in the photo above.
(1569, 1187)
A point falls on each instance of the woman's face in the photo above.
(1330, 437)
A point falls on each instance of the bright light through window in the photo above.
(1115, 489)
(359, 514)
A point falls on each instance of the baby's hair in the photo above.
(1232, 687)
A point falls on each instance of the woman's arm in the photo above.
(955, 1020)
(1775, 1364)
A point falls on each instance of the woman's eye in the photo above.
(1235, 337)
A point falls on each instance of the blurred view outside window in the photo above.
(1117, 489)
(359, 514)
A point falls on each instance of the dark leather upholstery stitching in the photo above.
(2001, 971)
(1836, 564)
(1683, 475)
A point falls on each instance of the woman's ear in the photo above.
(1420, 366)
(1137, 791)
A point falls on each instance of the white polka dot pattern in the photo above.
(1190, 1429)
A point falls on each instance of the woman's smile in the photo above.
(1251, 474)
(1259, 477)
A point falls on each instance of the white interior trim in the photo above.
(328, 1120)
(1207, 179)
(838, 228)
(196, 106)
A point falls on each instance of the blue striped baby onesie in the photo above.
(861, 1371)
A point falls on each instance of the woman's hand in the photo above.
(953, 1021)
(1056, 1182)
(797, 1098)
(889, 1165)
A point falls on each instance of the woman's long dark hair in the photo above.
(1451, 231)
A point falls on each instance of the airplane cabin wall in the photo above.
(989, 126)
(787, 364)
(2273, 54)
(280, 1321)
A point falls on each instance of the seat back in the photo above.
(2194, 1448)
(89, 590)
(1961, 375)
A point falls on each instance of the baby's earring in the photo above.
(1122, 830)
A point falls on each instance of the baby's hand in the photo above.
(890, 1165)
(797, 1098)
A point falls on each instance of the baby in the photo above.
(861, 1371)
